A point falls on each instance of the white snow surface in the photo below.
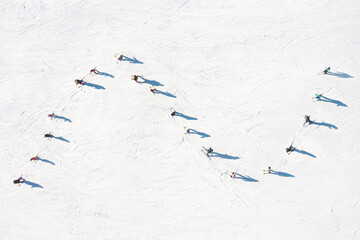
(242, 73)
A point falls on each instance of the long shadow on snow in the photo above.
(185, 116)
(281, 174)
(62, 118)
(96, 86)
(32, 184)
(203, 135)
(245, 178)
(340, 74)
(165, 93)
(132, 60)
(105, 74)
(304, 152)
(45, 160)
(329, 100)
(150, 82)
(325, 125)
(226, 156)
(62, 139)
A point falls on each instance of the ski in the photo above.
(205, 154)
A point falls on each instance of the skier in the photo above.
(135, 77)
(48, 135)
(120, 57)
(307, 120)
(318, 97)
(210, 150)
(81, 82)
(51, 116)
(34, 158)
(173, 113)
(326, 70)
(233, 174)
(268, 171)
(152, 89)
(94, 71)
(289, 149)
(187, 130)
(19, 180)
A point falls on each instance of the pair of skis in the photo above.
(267, 171)
(206, 152)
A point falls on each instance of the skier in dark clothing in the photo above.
(210, 150)
(307, 120)
(289, 149)
(48, 135)
(135, 77)
(173, 113)
(19, 180)
(120, 57)
(78, 81)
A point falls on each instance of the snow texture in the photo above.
(241, 75)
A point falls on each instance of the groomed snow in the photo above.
(242, 73)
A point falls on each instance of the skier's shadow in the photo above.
(203, 135)
(185, 116)
(340, 74)
(62, 118)
(150, 82)
(331, 126)
(303, 152)
(245, 178)
(329, 100)
(96, 86)
(105, 74)
(131, 60)
(32, 184)
(165, 93)
(226, 156)
(45, 160)
(61, 139)
(282, 174)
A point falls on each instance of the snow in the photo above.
(242, 73)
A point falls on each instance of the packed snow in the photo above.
(241, 75)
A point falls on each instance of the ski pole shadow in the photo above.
(185, 116)
(226, 156)
(282, 174)
(245, 178)
(32, 184)
(45, 160)
(96, 86)
(61, 139)
(331, 126)
(62, 118)
(131, 60)
(165, 93)
(105, 74)
(340, 74)
(337, 102)
(150, 82)
(203, 135)
(304, 152)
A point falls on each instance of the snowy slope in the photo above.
(242, 73)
